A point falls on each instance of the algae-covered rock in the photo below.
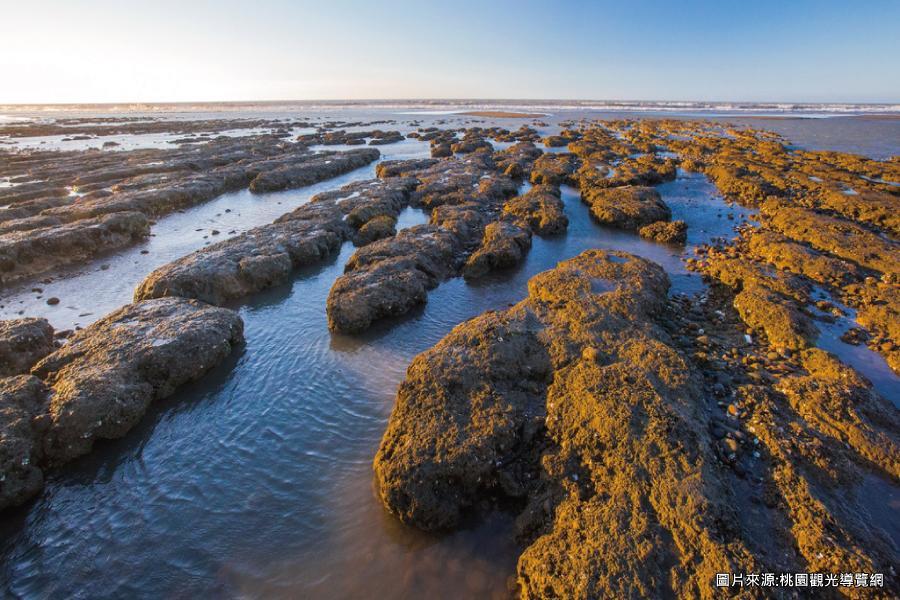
(268, 255)
(572, 400)
(666, 232)
(843, 406)
(834, 235)
(540, 208)
(627, 207)
(554, 169)
(391, 276)
(26, 254)
(504, 245)
(783, 253)
(309, 170)
(376, 228)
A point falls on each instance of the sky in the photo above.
(190, 51)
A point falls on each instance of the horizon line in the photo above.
(448, 99)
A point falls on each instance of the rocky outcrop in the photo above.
(833, 235)
(397, 168)
(506, 242)
(555, 169)
(268, 255)
(517, 161)
(504, 245)
(573, 402)
(391, 276)
(26, 254)
(666, 232)
(312, 170)
(113, 194)
(23, 342)
(786, 254)
(540, 208)
(878, 310)
(432, 464)
(22, 399)
(626, 207)
(576, 408)
(375, 137)
(80, 127)
(768, 301)
(99, 385)
(105, 377)
(878, 209)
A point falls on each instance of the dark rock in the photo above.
(22, 398)
(105, 377)
(30, 253)
(267, 255)
(23, 342)
(667, 232)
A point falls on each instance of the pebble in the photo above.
(53, 301)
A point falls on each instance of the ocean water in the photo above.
(257, 480)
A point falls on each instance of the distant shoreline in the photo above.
(481, 107)
(500, 114)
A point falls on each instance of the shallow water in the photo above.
(257, 481)
(867, 362)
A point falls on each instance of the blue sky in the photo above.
(790, 50)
